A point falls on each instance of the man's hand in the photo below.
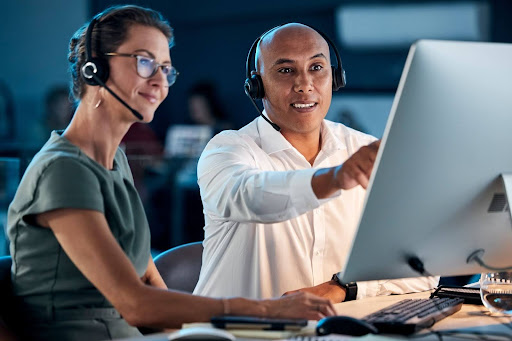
(331, 290)
(355, 171)
(299, 305)
(358, 168)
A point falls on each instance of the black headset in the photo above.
(95, 70)
(93, 66)
(254, 85)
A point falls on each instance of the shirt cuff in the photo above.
(301, 192)
(304, 196)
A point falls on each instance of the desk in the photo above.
(471, 318)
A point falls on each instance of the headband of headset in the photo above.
(93, 65)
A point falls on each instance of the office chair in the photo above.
(6, 298)
(5, 279)
(180, 266)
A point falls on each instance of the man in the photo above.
(281, 207)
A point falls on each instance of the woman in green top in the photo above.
(79, 236)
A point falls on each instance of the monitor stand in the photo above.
(477, 255)
(507, 183)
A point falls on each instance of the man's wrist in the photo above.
(350, 288)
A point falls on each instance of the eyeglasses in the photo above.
(148, 67)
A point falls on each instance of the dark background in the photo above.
(212, 39)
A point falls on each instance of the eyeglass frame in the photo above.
(155, 70)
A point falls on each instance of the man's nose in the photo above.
(303, 82)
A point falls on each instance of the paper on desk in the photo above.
(307, 331)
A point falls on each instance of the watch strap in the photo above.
(350, 288)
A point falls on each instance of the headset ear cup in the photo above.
(102, 71)
(254, 87)
(338, 78)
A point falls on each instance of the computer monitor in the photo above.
(437, 192)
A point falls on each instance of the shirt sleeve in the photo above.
(396, 286)
(233, 187)
(66, 183)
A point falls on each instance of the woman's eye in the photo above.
(145, 61)
(317, 67)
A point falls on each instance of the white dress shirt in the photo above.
(266, 232)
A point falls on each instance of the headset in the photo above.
(253, 85)
(95, 70)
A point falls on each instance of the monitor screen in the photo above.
(437, 193)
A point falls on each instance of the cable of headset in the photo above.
(274, 125)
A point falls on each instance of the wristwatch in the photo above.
(350, 288)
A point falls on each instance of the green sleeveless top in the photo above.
(62, 176)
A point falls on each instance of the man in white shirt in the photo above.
(282, 200)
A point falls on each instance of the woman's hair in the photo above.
(109, 33)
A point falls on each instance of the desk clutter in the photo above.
(257, 332)
(404, 318)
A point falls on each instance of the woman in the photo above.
(79, 235)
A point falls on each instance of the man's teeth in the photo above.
(298, 105)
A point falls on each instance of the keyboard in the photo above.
(410, 315)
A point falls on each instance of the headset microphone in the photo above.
(95, 70)
(101, 83)
(275, 126)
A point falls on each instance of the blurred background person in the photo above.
(58, 109)
(7, 121)
(205, 117)
(204, 107)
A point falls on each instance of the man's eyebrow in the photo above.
(283, 61)
(286, 60)
(319, 55)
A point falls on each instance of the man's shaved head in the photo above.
(285, 32)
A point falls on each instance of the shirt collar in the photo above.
(271, 140)
(331, 142)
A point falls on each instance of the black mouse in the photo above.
(344, 325)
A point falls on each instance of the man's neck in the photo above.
(308, 145)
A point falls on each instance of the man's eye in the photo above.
(317, 67)
(285, 70)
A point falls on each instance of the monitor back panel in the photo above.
(447, 140)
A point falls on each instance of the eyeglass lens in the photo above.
(147, 67)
